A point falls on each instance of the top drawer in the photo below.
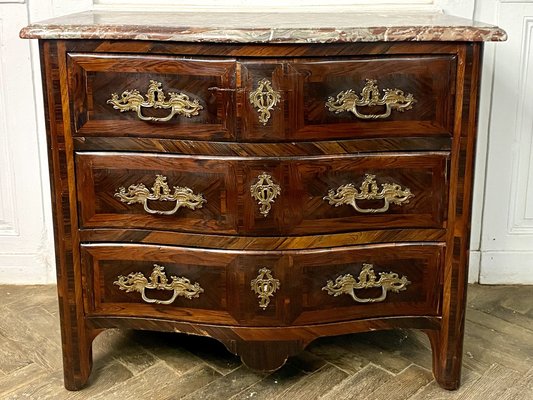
(152, 96)
(261, 100)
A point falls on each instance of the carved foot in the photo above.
(78, 360)
(76, 370)
(446, 365)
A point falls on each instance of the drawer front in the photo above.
(262, 288)
(262, 196)
(335, 99)
(152, 96)
(134, 280)
(370, 281)
(156, 192)
(171, 97)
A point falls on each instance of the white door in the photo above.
(507, 225)
(24, 248)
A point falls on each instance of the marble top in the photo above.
(247, 27)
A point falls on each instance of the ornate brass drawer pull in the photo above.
(264, 99)
(265, 192)
(264, 286)
(347, 284)
(178, 103)
(183, 196)
(348, 194)
(393, 99)
(137, 282)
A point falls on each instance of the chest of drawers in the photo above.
(261, 191)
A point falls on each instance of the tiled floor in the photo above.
(498, 361)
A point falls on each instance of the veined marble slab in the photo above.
(246, 27)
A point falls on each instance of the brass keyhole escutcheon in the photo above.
(265, 285)
(264, 99)
(265, 192)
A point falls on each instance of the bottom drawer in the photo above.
(252, 288)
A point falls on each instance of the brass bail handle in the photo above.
(390, 193)
(369, 300)
(347, 284)
(156, 301)
(137, 282)
(178, 103)
(349, 101)
(160, 191)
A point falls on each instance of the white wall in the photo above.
(26, 243)
(25, 254)
(26, 247)
(507, 234)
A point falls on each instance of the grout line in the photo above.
(383, 369)
(133, 373)
(350, 374)
(406, 368)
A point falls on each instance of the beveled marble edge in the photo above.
(263, 28)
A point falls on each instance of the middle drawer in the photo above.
(262, 196)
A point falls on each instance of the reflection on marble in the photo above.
(248, 27)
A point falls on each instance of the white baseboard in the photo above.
(505, 267)
(474, 263)
(25, 269)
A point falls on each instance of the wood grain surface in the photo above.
(94, 150)
(225, 276)
(225, 183)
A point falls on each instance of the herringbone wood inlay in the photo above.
(388, 365)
